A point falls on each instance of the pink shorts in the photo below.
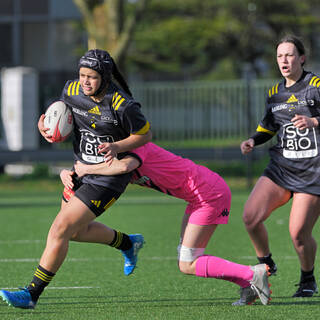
(211, 204)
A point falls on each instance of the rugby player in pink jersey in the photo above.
(208, 198)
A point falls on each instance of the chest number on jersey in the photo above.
(298, 143)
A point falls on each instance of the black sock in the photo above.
(40, 280)
(307, 276)
(121, 241)
(267, 260)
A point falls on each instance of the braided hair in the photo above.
(101, 62)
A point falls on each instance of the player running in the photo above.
(208, 198)
(103, 113)
(293, 113)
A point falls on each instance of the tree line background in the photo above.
(198, 40)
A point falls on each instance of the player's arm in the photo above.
(261, 136)
(116, 167)
(132, 142)
(134, 123)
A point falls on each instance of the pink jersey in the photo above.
(168, 173)
(207, 194)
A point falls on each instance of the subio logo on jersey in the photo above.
(297, 143)
(89, 146)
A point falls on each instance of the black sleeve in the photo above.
(261, 137)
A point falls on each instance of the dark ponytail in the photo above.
(118, 76)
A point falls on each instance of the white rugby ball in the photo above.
(59, 120)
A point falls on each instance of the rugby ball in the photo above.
(59, 120)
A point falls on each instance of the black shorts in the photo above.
(291, 180)
(96, 198)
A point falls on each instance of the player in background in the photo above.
(292, 112)
(103, 113)
(208, 198)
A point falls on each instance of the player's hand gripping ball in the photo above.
(59, 120)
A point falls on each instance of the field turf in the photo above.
(91, 284)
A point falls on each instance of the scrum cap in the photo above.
(101, 62)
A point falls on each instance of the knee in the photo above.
(251, 218)
(298, 238)
(59, 229)
(187, 257)
(248, 220)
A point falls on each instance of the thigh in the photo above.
(304, 213)
(197, 236)
(265, 197)
(72, 217)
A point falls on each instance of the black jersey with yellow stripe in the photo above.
(295, 160)
(114, 118)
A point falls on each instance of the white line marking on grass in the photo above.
(20, 241)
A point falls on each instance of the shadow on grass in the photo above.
(92, 302)
(128, 300)
(173, 302)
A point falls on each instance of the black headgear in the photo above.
(100, 61)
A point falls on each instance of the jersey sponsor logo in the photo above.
(147, 182)
(93, 123)
(109, 120)
(141, 181)
(80, 112)
(292, 99)
(297, 143)
(279, 107)
(89, 146)
(95, 110)
(292, 104)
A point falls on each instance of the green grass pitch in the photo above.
(91, 284)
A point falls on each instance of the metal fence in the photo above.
(202, 110)
(184, 111)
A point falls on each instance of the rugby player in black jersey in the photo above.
(292, 113)
(104, 113)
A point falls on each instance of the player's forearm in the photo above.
(133, 141)
(115, 168)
